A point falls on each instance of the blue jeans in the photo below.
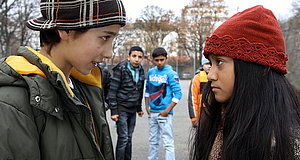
(163, 126)
(125, 128)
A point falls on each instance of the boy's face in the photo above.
(89, 48)
(135, 58)
(160, 61)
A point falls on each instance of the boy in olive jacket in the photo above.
(51, 101)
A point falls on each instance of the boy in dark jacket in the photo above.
(125, 99)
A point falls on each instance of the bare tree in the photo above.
(291, 32)
(118, 43)
(197, 22)
(13, 33)
(7, 27)
(25, 11)
(154, 24)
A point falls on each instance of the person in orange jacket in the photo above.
(195, 91)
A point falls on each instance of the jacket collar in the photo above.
(127, 63)
(30, 61)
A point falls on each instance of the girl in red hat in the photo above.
(251, 110)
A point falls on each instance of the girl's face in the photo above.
(221, 75)
(85, 50)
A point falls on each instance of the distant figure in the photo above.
(125, 99)
(163, 92)
(251, 110)
(197, 86)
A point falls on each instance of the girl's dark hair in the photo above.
(51, 37)
(261, 120)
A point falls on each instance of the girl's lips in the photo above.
(213, 88)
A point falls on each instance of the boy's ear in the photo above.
(63, 34)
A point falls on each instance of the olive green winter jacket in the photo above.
(40, 118)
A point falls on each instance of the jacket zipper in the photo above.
(85, 126)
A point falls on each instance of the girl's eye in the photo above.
(219, 62)
(105, 38)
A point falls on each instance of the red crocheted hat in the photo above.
(253, 35)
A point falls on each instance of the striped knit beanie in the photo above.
(78, 14)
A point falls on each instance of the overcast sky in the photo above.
(281, 8)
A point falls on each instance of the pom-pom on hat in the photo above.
(78, 14)
(252, 35)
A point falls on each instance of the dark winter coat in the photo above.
(40, 118)
(125, 94)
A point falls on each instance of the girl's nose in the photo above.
(212, 75)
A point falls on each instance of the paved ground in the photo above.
(182, 128)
